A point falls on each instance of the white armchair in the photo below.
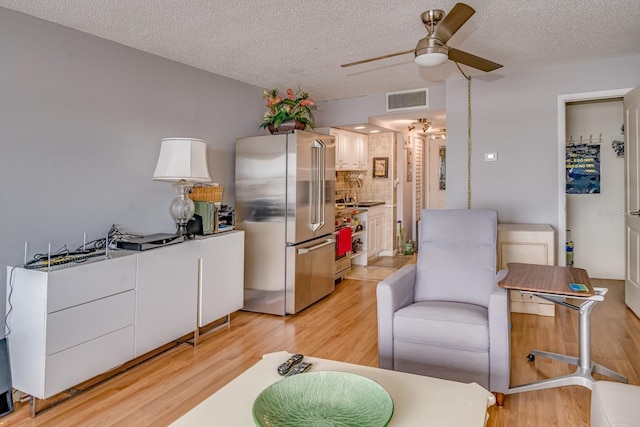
(445, 316)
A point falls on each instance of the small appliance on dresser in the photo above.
(210, 218)
(284, 202)
(205, 219)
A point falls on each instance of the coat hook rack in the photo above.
(583, 140)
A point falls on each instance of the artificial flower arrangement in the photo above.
(296, 106)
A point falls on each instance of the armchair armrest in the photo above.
(499, 340)
(393, 293)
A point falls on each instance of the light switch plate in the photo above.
(490, 157)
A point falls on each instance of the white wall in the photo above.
(349, 111)
(81, 120)
(596, 221)
(516, 116)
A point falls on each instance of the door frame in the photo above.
(562, 174)
(416, 141)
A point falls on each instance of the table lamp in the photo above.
(183, 161)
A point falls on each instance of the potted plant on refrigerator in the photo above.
(295, 111)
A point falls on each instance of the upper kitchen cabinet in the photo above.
(352, 149)
(359, 145)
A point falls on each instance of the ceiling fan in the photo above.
(433, 50)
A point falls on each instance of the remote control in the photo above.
(290, 363)
(300, 368)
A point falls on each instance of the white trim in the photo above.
(562, 174)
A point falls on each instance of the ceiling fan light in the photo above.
(431, 52)
(432, 59)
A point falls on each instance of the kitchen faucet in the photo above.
(351, 189)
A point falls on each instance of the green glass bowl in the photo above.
(323, 398)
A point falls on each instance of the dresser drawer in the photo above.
(85, 322)
(70, 367)
(79, 284)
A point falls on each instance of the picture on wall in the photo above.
(380, 167)
(442, 164)
(409, 162)
(583, 169)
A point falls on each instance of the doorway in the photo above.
(595, 193)
(563, 102)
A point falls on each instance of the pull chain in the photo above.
(468, 142)
(468, 135)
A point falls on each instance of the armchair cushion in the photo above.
(442, 323)
(457, 258)
(444, 340)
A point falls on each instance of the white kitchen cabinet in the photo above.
(72, 323)
(360, 145)
(343, 149)
(372, 237)
(166, 295)
(356, 151)
(352, 150)
(222, 276)
(529, 244)
(67, 325)
(375, 231)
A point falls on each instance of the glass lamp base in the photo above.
(182, 207)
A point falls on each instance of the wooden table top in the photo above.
(548, 279)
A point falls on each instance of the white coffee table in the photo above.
(417, 400)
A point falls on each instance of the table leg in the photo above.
(582, 375)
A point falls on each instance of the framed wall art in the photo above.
(380, 167)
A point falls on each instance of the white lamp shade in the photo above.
(432, 59)
(182, 159)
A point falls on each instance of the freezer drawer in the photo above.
(309, 273)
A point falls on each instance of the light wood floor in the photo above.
(343, 327)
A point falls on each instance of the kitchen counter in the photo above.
(368, 204)
(364, 204)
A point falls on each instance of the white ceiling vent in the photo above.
(406, 100)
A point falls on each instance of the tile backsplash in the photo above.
(380, 145)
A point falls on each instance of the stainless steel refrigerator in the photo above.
(285, 204)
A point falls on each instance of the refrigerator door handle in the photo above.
(327, 242)
(318, 195)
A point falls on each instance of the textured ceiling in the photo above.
(280, 43)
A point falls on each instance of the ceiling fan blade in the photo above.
(472, 61)
(377, 58)
(453, 21)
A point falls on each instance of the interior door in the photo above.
(632, 191)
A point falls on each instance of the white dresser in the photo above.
(70, 324)
(530, 244)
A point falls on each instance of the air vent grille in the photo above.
(415, 99)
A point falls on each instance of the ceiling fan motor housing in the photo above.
(432, 17)
(431, 52)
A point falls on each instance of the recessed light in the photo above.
(374, 131)
(359, 127)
